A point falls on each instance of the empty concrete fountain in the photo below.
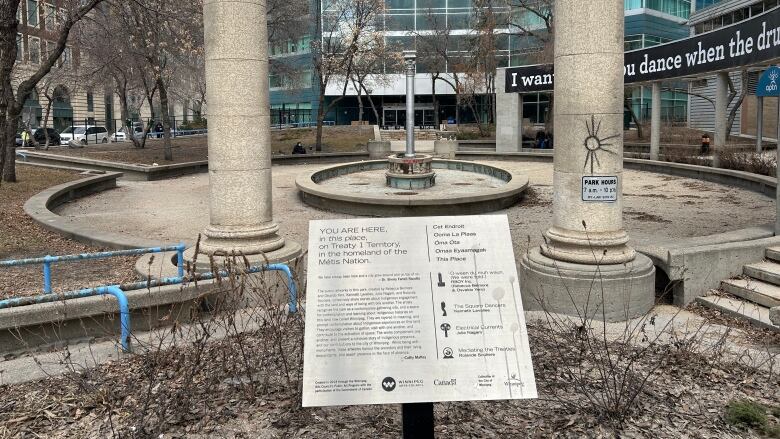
(412, 184)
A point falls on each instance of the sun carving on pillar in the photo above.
(593, 143)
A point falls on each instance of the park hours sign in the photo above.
(405, 310)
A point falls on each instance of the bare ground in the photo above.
(21, 237)
(148, 396)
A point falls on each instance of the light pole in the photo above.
(409, 60)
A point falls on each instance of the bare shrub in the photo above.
(237, 345)
(763, 164)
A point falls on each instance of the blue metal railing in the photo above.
(118, 291)
(48, 260)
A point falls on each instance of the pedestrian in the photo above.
(299, 149)
(158, 129)
(705, 143)
(25, 138)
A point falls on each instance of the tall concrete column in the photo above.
(721, 116)
(239, 146)
(585, 265)
(509, 117)
(655, 122)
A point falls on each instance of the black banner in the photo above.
(750, 42)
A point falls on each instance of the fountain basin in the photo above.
(462, 188)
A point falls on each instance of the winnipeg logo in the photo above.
(388, 384)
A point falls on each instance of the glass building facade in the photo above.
(676, 8)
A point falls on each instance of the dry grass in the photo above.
(195, 148)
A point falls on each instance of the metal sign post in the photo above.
(769, 86)
(417, 420)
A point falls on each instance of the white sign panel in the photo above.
(403, 310)
(599, 188)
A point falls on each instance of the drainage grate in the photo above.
(359, 184)
(405, 193)
(462, 184)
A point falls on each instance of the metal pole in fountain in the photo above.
(410, 170)
(409, 59)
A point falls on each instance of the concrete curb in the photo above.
(23, 328)
(39, 209)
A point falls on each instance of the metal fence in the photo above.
(89, 131)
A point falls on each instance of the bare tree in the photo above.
(441, 56)
(11, 104)
(345, 26)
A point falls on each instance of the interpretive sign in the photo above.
(405, 310)
(742, 44)
(599, 188)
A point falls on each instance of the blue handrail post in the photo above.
(124, 313)
(293, 301)
(180, 259)
(47, 274)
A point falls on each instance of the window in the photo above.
(32, 13)
(65, 59)
(49, 17)
(19, 48)
(48, 48)
(90, 102)
(35, 50)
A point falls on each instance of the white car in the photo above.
(84, 135)
(121, 136)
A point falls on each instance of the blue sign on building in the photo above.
(768, 84)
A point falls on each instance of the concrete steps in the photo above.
(762, 293)
(767, 271)
(399, 135)
(755, 314)
(756, 292)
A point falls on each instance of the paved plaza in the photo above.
(658, 208)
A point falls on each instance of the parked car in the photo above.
(40, 137)
(19, 142)
(121, 136)
(84, 135)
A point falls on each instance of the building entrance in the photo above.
(394, 117)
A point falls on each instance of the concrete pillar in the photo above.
(655, 122)
(239, 146)
(760, 124)
(509, 117)
(721, 116)
(585, 265)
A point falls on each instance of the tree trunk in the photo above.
(738, 104)
(435, 102)
(639, 131)
(359, 91)
(373, 107)
(8, 29)
(320, 119)
(9, 165)
(164, 113)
